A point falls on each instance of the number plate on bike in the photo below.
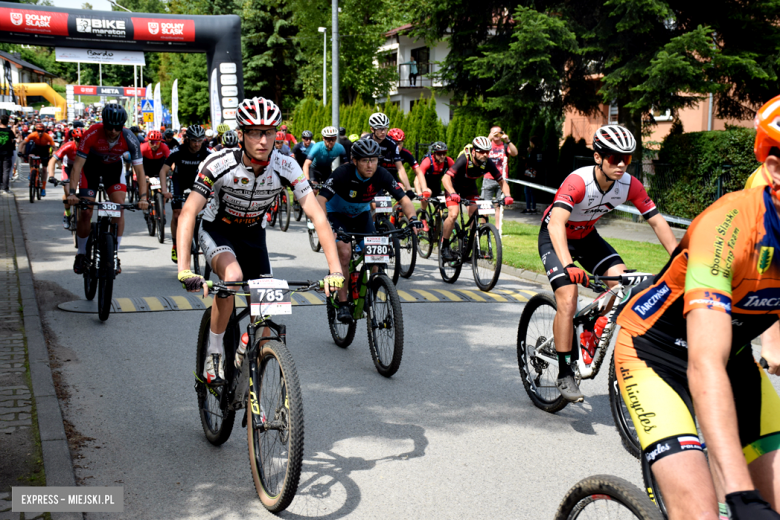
(383, 204)
(377, 250)
(108, 209)
(269, 297)
(485, 207)
(154, 182)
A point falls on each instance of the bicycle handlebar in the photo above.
(84, 203)
(225, 287)
(341, 234)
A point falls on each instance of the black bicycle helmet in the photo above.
(438, 146)
(230, 139)
(114, 114)
(307, 134)
(366, 148)
(196, 132)
(135, 129)
(342, 131)
(168, 134)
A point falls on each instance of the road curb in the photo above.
(57, 461)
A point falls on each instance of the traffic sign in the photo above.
(147, 105)
(148, 117)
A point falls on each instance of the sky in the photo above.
(98, 5)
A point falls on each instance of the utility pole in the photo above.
(334, 95)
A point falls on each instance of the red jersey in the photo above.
(95, 148)
(499, 157)
(581, 195)
(67, 152)
(431, 167)
(162, 152)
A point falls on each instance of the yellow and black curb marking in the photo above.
(191, 302)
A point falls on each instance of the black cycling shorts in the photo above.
(246, 244)
(466, 188)
(320, 174)
(434, 184)
(593, 253)
(112, 175)
(360, 223)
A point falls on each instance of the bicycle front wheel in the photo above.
(314, 240)
(33, 176)
(385, 325)
(424, 240)
(407, 250)
(450, 270)
(159, 202)
(275, 427)
(195, 258)
(284, 210)
(106, 276)
(274, 212)
(606, 497)
(298, 211)
(486, 257)
(536, 354)
(215, 416)
(90, 273)
(394, 265)
(621, 415)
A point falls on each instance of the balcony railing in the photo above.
(423, 78)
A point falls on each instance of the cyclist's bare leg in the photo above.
(686, 485)
(175, 222)
(345, 252)
(563, 323)
(449, 222)
(615, 270)
(226, 268)
(85, 220)
(765, 473)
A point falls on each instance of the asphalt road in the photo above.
(451, 435)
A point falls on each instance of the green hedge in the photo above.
(686, 180)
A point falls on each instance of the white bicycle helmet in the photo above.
(482, 143)
(379, 120)
(329, 131)
(209, 133)
(611, 139)
(258, 111)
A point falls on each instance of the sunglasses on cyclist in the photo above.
(115, 128)
(616, 158)
(440, 154)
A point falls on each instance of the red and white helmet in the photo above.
(258, 111)
(396, 134)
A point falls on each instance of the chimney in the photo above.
(17, 55)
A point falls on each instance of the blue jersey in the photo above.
(349, 193)
(322, 158)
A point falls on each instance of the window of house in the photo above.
(422, 56)
(613, 114)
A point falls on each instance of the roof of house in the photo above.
(25, 64)
(397, 30)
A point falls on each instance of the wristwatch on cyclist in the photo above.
(145, 195)
(72, 191)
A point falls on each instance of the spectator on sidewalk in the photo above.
(499, 154)
(534, 169)
(7, 145)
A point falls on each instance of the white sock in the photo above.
(215, 344)
(118, 242)
(82, 245)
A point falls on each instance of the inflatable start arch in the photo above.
(218, 36)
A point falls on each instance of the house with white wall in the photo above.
(397, 52)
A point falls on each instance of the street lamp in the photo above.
(324, 64)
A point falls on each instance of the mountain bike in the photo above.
(603, 497)
(432, 219)
(281, 209)
(538, 361)
(266, 386)
(74, 212)
(373, 295)
(155, 215)
(382, 223)
(478, 244)
(100, 268)
(35, 178)
(132, 184)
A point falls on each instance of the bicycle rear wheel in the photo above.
(385, 324)
(487, 256)
(284, 210)
(314, 240)
(450, 271)
(539, 375)
(621, 415)
(342, 333)
(274, 212)
(151, 220)
(33, 176)
(407, 250)
(394, 265)
(106, 276)
(275, 427)
(195, 258)
(424, 239)
(606, 497)
(298, 209)
(159, 202)
(215, 417)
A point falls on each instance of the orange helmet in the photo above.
(767, 129)
(76, 133)
(280, 136)
(39, 127)
(154, 135)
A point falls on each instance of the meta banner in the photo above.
(82, 90)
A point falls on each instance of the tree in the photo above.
(646, 54)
